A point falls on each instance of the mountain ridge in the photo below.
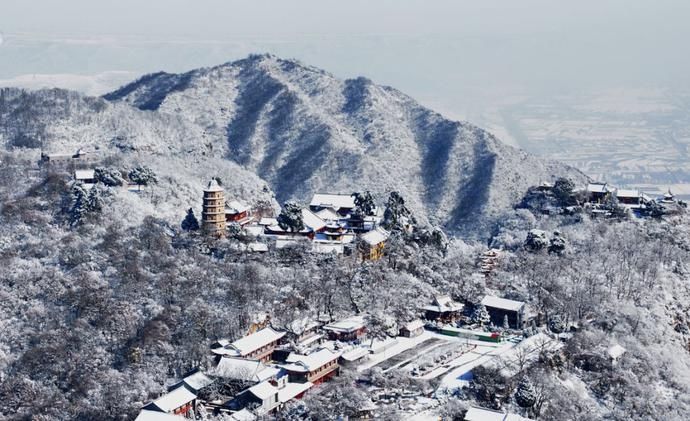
(302, 130)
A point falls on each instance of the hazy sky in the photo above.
(445, 49)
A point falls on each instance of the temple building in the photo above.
(213, 214)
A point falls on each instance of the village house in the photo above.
(312, 225)
(179, 401)
(341, 204)
(85, 176)
(597, 192)
(500, 308)
(317, 367)
(80, 156)
(372, 244)
(350, 329)
(194, 382)
(238, 212)
(268, 396)
(629, 198)
(303, 332)
(328, 215)
(443, 309)
(251, 371)
(412, 329)
(259, 345)
(262, 398)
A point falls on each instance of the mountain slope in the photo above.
(299, 130)
(303, 130)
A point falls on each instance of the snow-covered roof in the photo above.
(333, 201)
(502, 303)
(414, 325)
(84, 174)
(197, 380)
(481, 414)
(256, 340)
(242, 369)
(312, 221)
(442, 304)
(375, 237)
(311, 362)
(213, 186)
(268, 221)
(328, 215)
(292, 390)
(346, 325)
(628, 193)
(257, 247)
(243, 415)
(355, 354)
(147, 415)
(174, 399)
(263, 390)
(235, 206)
(616, 351)
(597, 188)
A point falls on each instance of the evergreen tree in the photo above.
(364, 204)
(94, 199)
(563, 191)
(142, 176)
(506, 323)
(397, 216)
(107, 176)
(190, 223)
(79, 206)
(525, 395)
(536, 240)
(290, 218)
(480, 315)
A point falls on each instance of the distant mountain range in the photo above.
(295, 129)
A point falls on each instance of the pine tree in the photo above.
(107, 176)
(506, 323)
(290, 218)
(94, 200)
(525, 396)
(190, 223)
(142, 176)
(397, 216)
(364, 203)
(480, 315)
(79, 204)
(563, 191)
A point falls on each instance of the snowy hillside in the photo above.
(303, 130)
(294, 128)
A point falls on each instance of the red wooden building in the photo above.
(317, 367)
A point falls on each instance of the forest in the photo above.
(100, 314)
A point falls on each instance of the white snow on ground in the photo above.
(402, 345)
(462, 374)
(526, 352)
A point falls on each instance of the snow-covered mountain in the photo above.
(299, 130)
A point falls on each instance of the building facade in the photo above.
(213, 214)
